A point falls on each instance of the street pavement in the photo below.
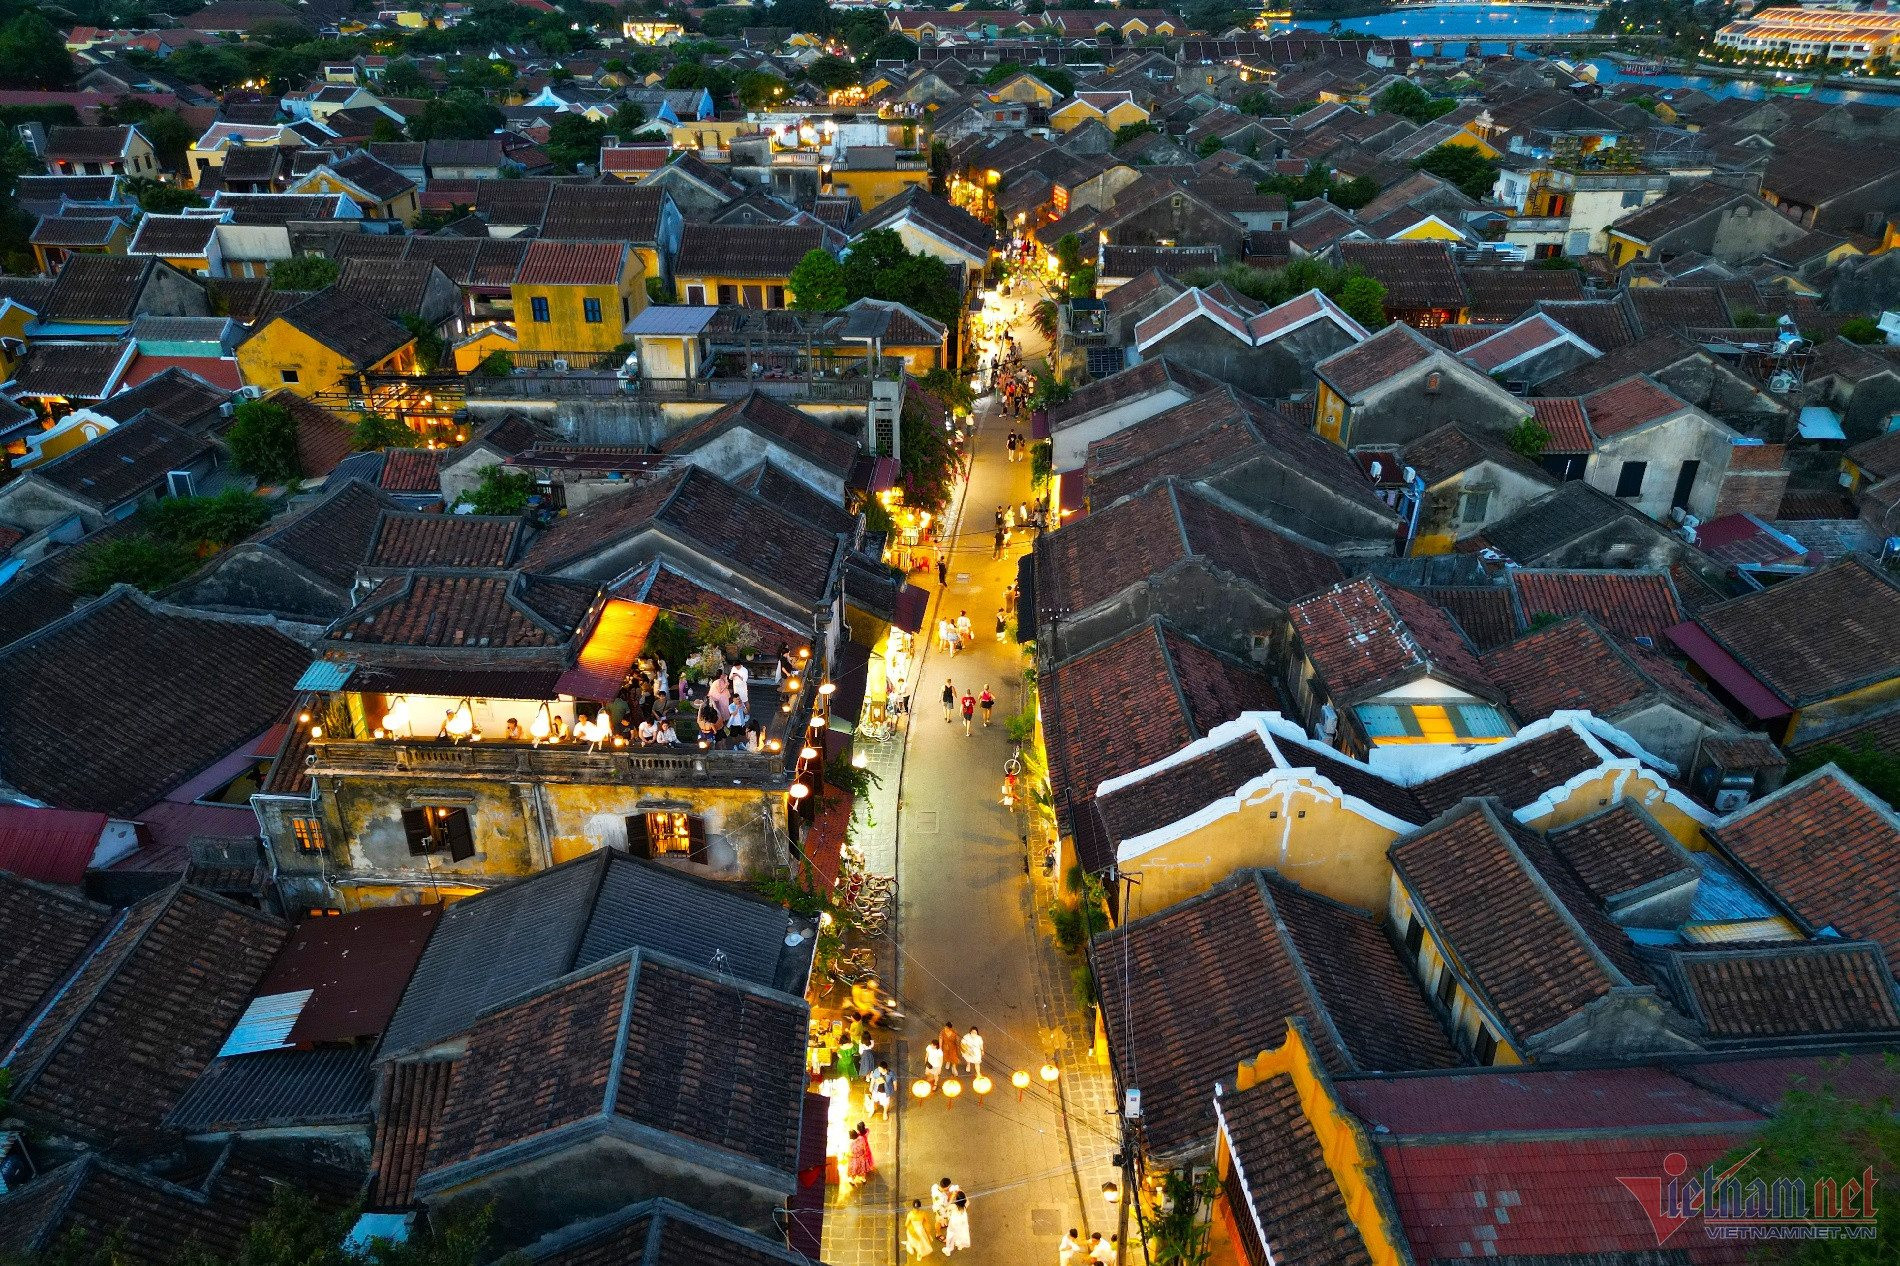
(973, 944)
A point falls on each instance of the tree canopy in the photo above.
(263, 440)
(818, 282)
(458, 114)
(33, 54)
(880, 266)
(1409, 101)
(304, 272)
(1463, 166)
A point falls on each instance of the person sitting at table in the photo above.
(666, 737)
(649, 732)
(513, 732)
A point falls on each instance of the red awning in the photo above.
(1727, 672)
(617, 639)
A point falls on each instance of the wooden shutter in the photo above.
(415, 825)
(696, 838)
(455, 829)
(639, 836)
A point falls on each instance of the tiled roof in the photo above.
(76, 371)
(1878, 457)
(1483, 612)
(174, 235)
(323, 437)
(550, 263)
(1522, 949)
(771, 483)
(711, 516)
(330, 538)
(76, 230)
(1563, 420)
(1291, 1193)
(766, 251)
(1452, 450)
(1628, 405)
(393, 287)
(182, 711)
(1827, 849)
(1665, 309)
(1133, 700)
(49, 932)
(662, 1233)
(1191, 991)
(662, 585)
(1515, 772)
(1630, 604)
(125, 461)
(1599, 674)
(372, 177)
(1148, 377)
(411, 539)
(147, 1010)
(1365, 635)
(1602, 323)
(1555, 519)
(775, 423)
(1415, 274)
(1505, 294)
(1778, 991)
(413, 1094)
(1135, 540)
(359, 334)
(88, 144)
(1620, 851)
(1393, 350)
(647, 1039)
(935, 215)
(468, 609)
(411, 470)
(1815, 636)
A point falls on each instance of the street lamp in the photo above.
(951, 1089)
(1049, 1072)
(921, 1088)
(1112, 1192)
(981, 1085)
(1020, 1080)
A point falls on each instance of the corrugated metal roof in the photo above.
(266, 1023)
(356, 965)
(671, 319)
(325, 674)
(53, 846)
(279, 1088)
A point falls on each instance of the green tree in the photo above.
(459, 114)
(403, 78)
(33, 54)
(209, 523)
(1002, 72)
(263, 440)
(1528, 438)
(829, 73)
(818, 283)
(157, 199)
(1872, 767)
(1129, 131)
(574, 141)
(1470, 171)
(140, 560)
(1208, 146)
(892, 48)
(374, 431)
(216, 66)
(432, 350)
(167, 130)
(1861, 329)
(1355, 193)
(1409, 101)
(1819, 1135)
(881, 267)
(758, 89)
(501, 491)
(1363, 299)
(304, 272)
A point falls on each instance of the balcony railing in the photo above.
(673, 766)
(555, 385)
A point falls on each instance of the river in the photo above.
(1493, 27)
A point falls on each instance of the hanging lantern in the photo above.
(541, 725)
(461, 722)
(396, 720)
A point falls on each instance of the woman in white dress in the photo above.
(957, 1234)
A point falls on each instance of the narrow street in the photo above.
(973, 942)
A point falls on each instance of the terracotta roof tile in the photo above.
(1827, 849)
(1483, 612)
(1505, 294)
(766, 251)
(1392, 351)
(411, 470)
(1628, 405)
(1290, 1191)
(1752, 993)
(49, 933)
(1416, 275)
(468, 609)
(1631, 604)
(776, 422)
(1816, 636)
(1364, 635)
(1562, 418)
(444, 540)
(1600, 674)
(550, 263)
(1515, 772)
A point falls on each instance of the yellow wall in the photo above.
(117, 244)
(1331, 849)
(66, 441)
(1431, 231)
(1350, 1156)
(472, 351)
(1027, 89)
(1467, 1013)
(1329, 414)
(711, 133)
(1623, 250)
(1612, 785)
(13, 322)
(873, 187)
(264, 356)
(712, 283)
(1076, 113)
(567, 328)
(403, 207)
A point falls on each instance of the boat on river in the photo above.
(1646, 68)
(1792, 90)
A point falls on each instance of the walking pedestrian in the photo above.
(947, 1038)
(943, 1197)
(969, 712)
(1002, 624)
(999, 515)
(965, 629)
(1104, 1252)
(1009, 519)
(1022, 516)
(943, 571)
(919, 1241)
(971, 1048)
(943, 634)
(877, 1093)
(861, 1164)
(1012, 446)
(1069, 1249)
(1000, 538)
(949, 701)
(957, 1234)
(933, 1063)
(987, 702)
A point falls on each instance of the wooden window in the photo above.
(1473, 504)
(755, 297)
(1485, 1049)
(539, 304)
(668, 833)
(590, 308)
(696, 295)
(1414, 936)
(729, 295)
(1447, 984)
(309, 834)
(433, 828)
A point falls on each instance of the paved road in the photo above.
(971, 952)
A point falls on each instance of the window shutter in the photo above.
(415, 825)
(696, 838)
(461, 839)
(639, 836)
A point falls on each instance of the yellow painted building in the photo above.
(322, 344)
(577, 296)
(1025, 87)
(876, 184)
(367, 183)
(1115, 109)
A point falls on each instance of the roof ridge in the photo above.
(1298, 962)
(1490, 805)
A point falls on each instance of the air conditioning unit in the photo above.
(560, 365)
(226, 409)
(251, 393)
